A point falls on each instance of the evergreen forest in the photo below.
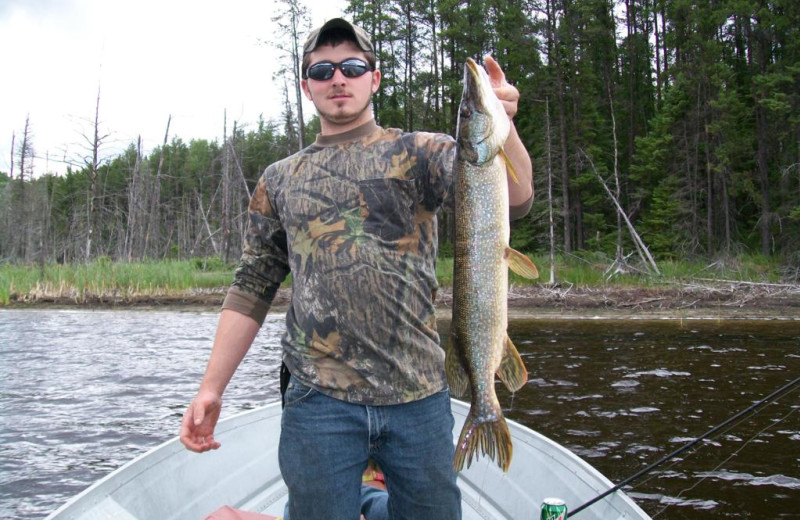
(668, 128)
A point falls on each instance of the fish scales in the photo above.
(480, 346)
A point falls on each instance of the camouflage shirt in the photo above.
(353, 218)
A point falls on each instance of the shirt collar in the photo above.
(351, 135)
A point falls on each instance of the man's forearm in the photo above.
(235, 335)
(521, 192)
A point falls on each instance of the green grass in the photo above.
(104, 277)
(592, 270)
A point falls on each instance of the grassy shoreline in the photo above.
(104, 278)
(104, 282)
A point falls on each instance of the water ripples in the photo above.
(85, 392)
(624, 394)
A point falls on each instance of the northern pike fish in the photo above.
(479, 345)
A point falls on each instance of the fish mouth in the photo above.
(471, 137)
(476, 82)
(472, 78)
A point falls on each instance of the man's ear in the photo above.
(376, 81)
(304, 86)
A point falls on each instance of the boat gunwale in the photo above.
(589, 477)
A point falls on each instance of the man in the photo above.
(353, 218)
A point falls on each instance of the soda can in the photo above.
(554, 509)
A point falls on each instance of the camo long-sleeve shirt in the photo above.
(353, 218)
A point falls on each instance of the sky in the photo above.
(191, 59)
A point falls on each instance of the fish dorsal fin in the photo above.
(512, 371)
(509, 167)
(521, 264)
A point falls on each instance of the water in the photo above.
(84, 392)
(623, 394)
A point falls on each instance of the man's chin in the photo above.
(341, 118)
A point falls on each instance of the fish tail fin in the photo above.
(493, 438)
(521, 264)
(457, 377)
(512, 371)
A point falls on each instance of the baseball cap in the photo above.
(358, 33)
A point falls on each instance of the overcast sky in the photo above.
(192, 59)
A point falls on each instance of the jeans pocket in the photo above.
(297, 392)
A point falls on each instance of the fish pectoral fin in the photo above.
(521, 264)
(512, 172)
(457, 377)
(512, 371)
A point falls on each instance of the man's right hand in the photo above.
(199, 421)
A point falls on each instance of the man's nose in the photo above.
(338, 76)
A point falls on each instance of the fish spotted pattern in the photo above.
(480, 346)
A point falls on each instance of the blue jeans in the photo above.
(326, 443)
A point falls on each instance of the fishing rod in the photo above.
(771, 397)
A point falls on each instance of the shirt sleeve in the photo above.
(519, 211)
(435, 156)
(247, 304)
(264, 262)
(437, 152)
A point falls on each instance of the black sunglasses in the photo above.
(324, 70)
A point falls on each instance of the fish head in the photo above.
(483, 125)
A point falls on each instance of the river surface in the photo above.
(83, 392)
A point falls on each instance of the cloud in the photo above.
(150, 59)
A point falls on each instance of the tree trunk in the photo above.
(409, 67)
(296, 78)
(225, 188)
(644, 252)
(22, 224)
(93, 180)
(762, 128)
(617, 183)
(550, 201)
(154, 220)
(553, 46)
(135, 203)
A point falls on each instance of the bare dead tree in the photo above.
(20, 222)
(240, 198)
(93, 143)
(293, 21)
(154, 217)
(93, 184)
(209, 231)
(617, 185)
(642, 249)
(226, 189)
(136, 204)
(550, 194)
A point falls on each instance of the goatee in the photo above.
(343, 118)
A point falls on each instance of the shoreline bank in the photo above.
(737, 300)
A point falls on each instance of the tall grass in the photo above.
(595, 270)
(106, 278)
(575, 272)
